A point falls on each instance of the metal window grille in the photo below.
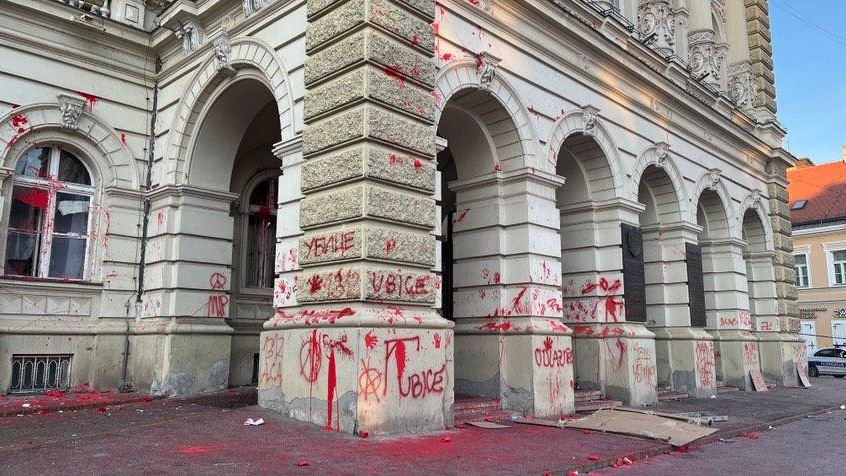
(37, 373)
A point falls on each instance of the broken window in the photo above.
(49, 218)
(261, 235)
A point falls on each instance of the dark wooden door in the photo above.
(634, 287)
(695, 285)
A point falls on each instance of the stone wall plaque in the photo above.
(633, 276)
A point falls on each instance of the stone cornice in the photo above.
(185, 191)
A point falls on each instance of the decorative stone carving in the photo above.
(662, 152)
(589, 116)
(252, 6)
(222, 50)
(719, 9)
(190, 36)
(707, 61)
(754, 198)
(713, 180)
(741, 85)
(655, 19)
(486, 65)
(71, 108)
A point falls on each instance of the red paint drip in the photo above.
(91, 99)
(332, 381)
(400, 358)
(123, 138)
(395, 73)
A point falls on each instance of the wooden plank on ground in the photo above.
(758, 381)
(652, 427)
(536, 421)
(803, 377)
(487, 425)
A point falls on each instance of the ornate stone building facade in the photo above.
(367, 207)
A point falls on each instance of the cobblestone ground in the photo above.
(207, 436)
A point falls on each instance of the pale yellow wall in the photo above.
(821, 295)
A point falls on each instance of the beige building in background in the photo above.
(818, 214)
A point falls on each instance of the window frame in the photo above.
(41, 271)
(244, 231)
(832, 264)
(807, 268)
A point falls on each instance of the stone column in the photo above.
(741, 81)
(761, 57)
(611, 354)
(707, 60)
(684, 354)
(656, 20)
(361, 347)
(186, 282)
(509, 341)
(727, 308)
(790, 349)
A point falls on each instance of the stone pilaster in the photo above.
(360, 347)
(761, 56)
(727, 307)
(509, 341)
(187, 280)
(611, 354)
(684, 354)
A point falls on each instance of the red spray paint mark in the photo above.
(36, 197)
(123, 138)
(437, 340)
(415, 40)
(315, 284)
(390, 245)
(91, 99)
(370, 340)
(332, 382)
(438, 98)
(417, 163)
(200, 449)
(18, 121)
(395, 73)
(399, 356)
(461, 216)
(498, 167)
(446, 57)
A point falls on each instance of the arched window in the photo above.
(261, 235)
(50, 215)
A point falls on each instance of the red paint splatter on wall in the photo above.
(90, 99)
(370, 340)
(396, 73)
(315, 284)
(461, 216)
(123, 138)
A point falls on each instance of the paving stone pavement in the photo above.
(207, 436)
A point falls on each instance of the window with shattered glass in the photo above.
(49, 219)
(261, 235)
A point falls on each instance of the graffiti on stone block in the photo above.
(645, 370)
(342, 283)
(311, 355)
(593, 302)
(549, 356)
(272, 356)
(705, 363)
(312, 317)
(400, 286)
(330, 246)
(750, 354)
(217, 302)
(375, 382)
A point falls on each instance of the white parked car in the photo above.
(828, 361)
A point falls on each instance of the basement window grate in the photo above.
(37, 373)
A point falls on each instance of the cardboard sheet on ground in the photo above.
(803, 377)
(758, 381)
(487, 425)
(653, 427)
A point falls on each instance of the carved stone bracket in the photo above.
(741, 85)
(71, 108)
(190, 35)
(222, 50)
(486, 65)
(713, 180)
(252, 6)
(707, 60)
(589, 116)
(662, 152)
(656, 21)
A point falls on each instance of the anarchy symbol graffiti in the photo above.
(369, 381)
(217, 281)
(310, 358)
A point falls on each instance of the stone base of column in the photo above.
(526, 363)
(685, 357)
(618, 359)
(736, 355)
(358, 370)
(780, 352)
(190, 356)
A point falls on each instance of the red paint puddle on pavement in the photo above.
(200, 449)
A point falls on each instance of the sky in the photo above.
(810, 72)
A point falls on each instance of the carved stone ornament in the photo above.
(222, 52)
(713, 180)
(741, 85)
(754, 199)
(655, 19)
(662, 152)
(486, 65)
(71, 108)
(190, 36)
(589, 116)
(252, 6)
(706, 59)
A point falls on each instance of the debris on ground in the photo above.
(488, 425)
(446, 439)
(251, 422)
(302, 462)
(644, 425)
(594, 457)
(727, 440)
(363, 434)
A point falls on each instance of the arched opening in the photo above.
(233, 153)
(480, 137)
(759, 274)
